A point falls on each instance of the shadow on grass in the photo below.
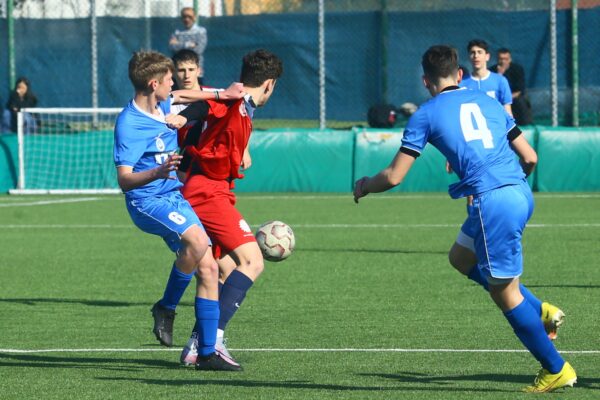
(566, 286)
(295, 384)
(40, 361)
(375, 251)
(411, 377)
(32, 301)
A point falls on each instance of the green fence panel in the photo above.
(9, 162)
(569, 160)
(299, 160)
(375, 149)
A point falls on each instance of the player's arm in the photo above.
(196, 111)
(233, 92)
(129, 180)
(527, 156)
(391, 176)
(505, 95)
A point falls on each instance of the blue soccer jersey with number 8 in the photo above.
(470, 129)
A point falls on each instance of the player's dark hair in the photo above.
(479, 43)
(503, 50)
(147, 65)
(186, 55)
(258, 66)
(439, 61)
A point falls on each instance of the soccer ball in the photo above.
(276, 240)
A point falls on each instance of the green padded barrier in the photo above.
(299, 160)
(375, 149)
(9, 162)
(569, 160)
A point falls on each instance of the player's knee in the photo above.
(196, 246)
(208, 269)
(255, 266)
(462, 259)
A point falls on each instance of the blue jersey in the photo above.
(470, 129)
(144, 141)
(495, 85)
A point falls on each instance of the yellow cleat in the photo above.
(547, 382)
(553, 318)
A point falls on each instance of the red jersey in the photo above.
(220, 147)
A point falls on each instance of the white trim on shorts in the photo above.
(465, 241)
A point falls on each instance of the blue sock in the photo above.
(207, 317)
(176, 285)
(476, 275)
(220, 289)
(529, 329)
(233, 293)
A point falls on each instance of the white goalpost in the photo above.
(66, 151)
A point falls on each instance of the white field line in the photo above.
(47, 202)
(307, 226)
(288, 350)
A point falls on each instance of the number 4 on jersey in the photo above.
(474, 126)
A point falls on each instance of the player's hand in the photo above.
(175, 121)
(449, 167)
(171, 164)
(246, 160)
(233, 92)
(360, 188)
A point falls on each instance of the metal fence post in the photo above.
(11, 43)
(575, 61)
(553, 64)
(322, 107)
(94, 51)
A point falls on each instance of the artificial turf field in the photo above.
(366, 308)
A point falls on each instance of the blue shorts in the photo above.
(495, 224)
(168, 216)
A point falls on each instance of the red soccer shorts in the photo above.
(214, 203)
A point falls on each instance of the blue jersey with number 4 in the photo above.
(144, 141)
(470, 129)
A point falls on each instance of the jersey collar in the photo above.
(250, 105)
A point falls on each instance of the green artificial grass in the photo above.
(78, 275)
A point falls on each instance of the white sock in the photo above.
(220, 334)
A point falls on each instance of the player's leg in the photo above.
(462, 257)
(207, 318)
(503, 214)
(249, 265)
(528, 327)
(214, 203)
(173, 219)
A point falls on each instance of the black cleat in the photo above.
(215, 362)
(163, 324)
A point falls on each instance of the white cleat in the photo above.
(221, 349)
(189, 354)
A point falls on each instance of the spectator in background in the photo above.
(515, 75)
(20, 97)
(192, 37)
